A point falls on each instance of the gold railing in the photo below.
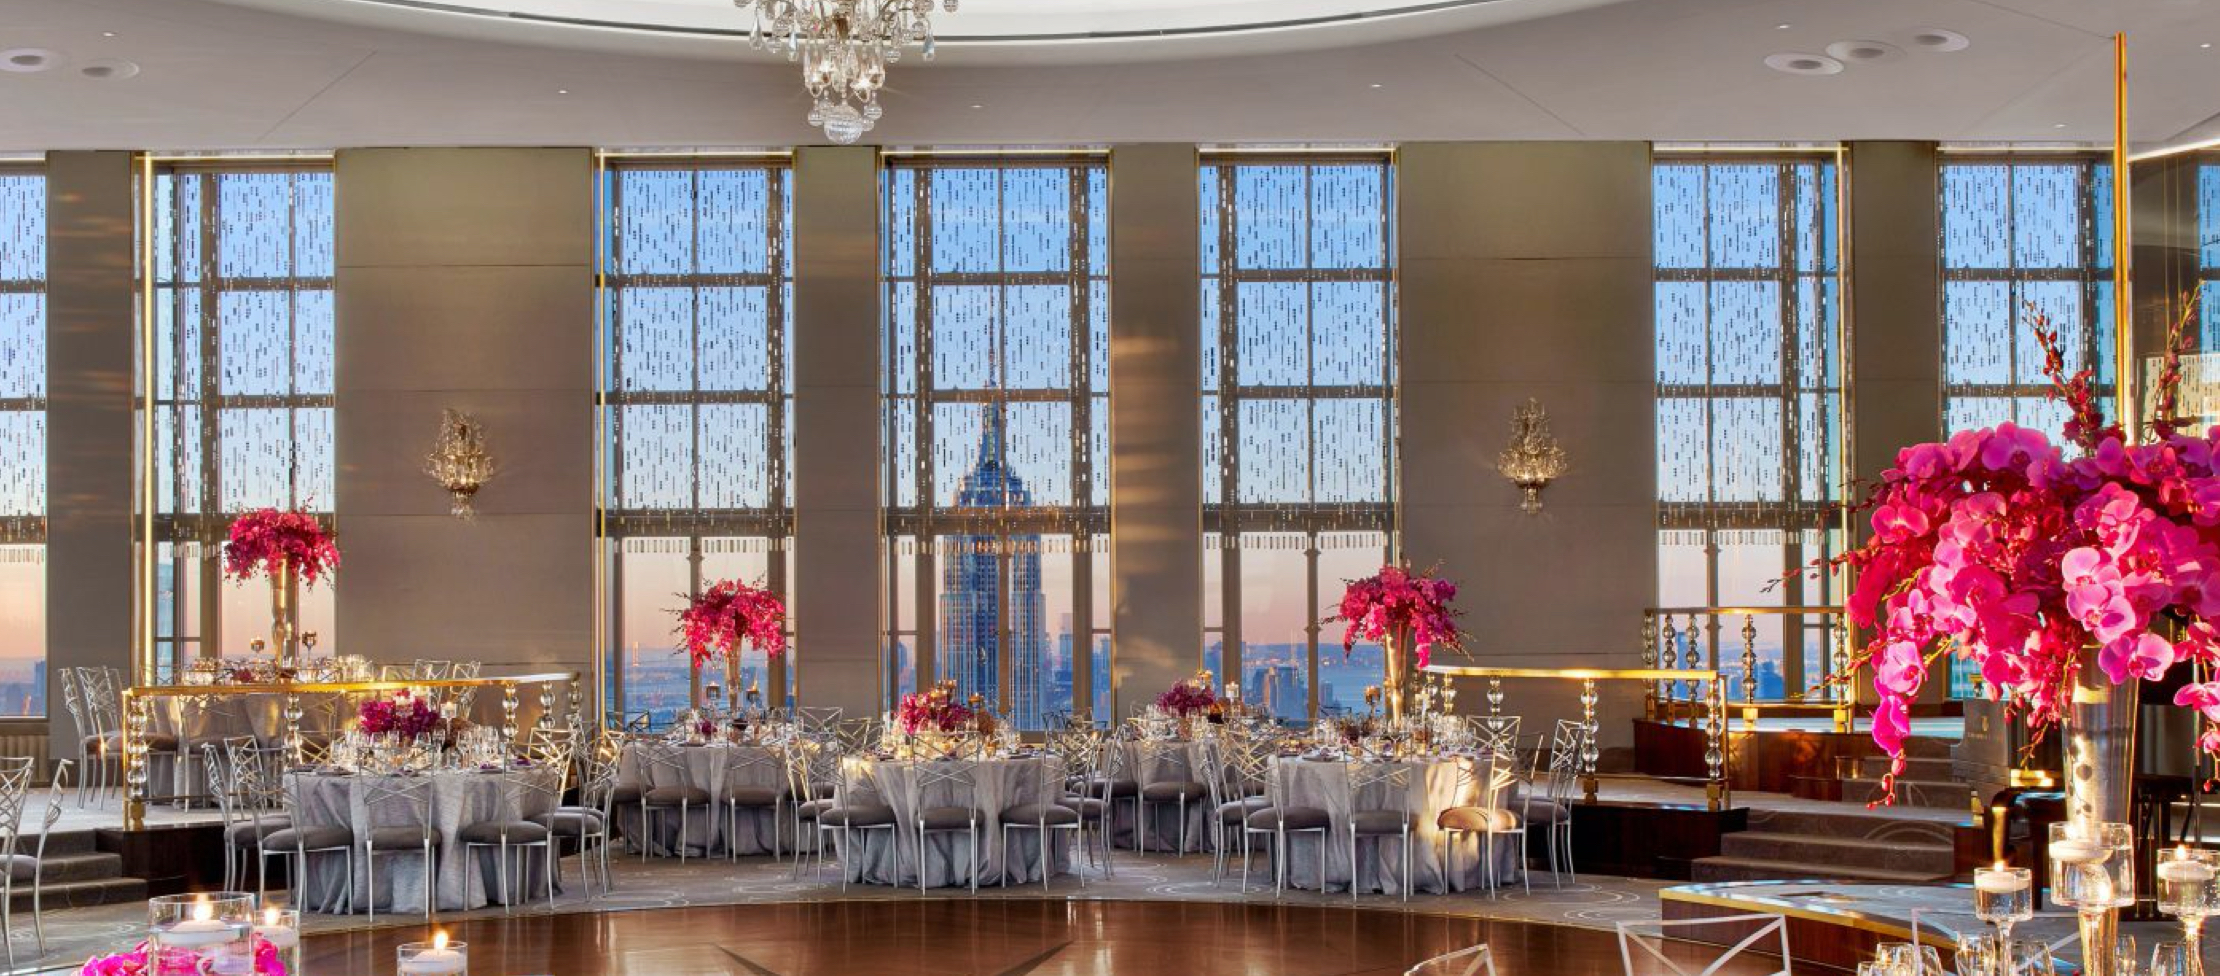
(1685, 639)
(1716, 792)
(138, 703)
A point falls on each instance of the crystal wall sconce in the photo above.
(459, 461)
(1533, 459)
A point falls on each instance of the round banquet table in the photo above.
(460, 798)
(715, 767)
(1000, 785)
(1434, 786)
(1149, 762)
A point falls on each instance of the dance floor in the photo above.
(998, 937)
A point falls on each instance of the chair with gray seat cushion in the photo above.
(1044, 816)
(1490, 780)
(752, 781)
(668, 785)
(812, 770)
(250, 792)
(944, 799)
(401, 823)
(510, 831)
(1238, 769)
(1082, 749)
(856, 810)
(1394, 818)
(1275, 822)
(588, 822)
(1168, 777)
(15, 792)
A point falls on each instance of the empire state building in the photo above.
(971, 593)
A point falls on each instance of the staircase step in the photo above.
(1851, 821)
(1825, 853)
(1931, 794)
(82, 894)
(55, 868)
(65, 842)
(1729, 868)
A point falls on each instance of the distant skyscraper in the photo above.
(971, 591)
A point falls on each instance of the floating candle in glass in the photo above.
(438, 957)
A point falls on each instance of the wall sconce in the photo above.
(1533, 459)
(459, 461)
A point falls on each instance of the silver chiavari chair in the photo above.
(1082, 748)
(958, 783)
(1490, 780)
(15, 794)
(1392, 821)
(751, 781)
(512, 832)
(855, 810)
(588, 822)
(402, 822)
(668, 785)
(1275, 822)
(1041, 814)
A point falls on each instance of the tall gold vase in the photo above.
(2099, 764)
(1398, 679)
(282, 614)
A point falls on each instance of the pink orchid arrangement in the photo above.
(267, 962)
(402, 714)
(262, 542)
(715, 623)
(1190, 697)
(1994, 546)
(1397, 601)
(934, 711)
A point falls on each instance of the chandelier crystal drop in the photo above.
(844, 47)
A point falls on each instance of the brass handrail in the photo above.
(136, 700)
(1716, 792)
(1664, 639)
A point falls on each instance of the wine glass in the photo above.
(2031, 957)
(2175, 959)
(2003, 896)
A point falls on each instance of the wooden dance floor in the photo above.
(988, 937)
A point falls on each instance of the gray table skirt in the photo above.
(458, 799)
(1000, 785)
(1436, 866)
(714, 767)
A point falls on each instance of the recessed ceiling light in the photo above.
(1782, 26)
(1378, 85)
(108, 69)
(978, 106)
(107, 33)
(2058, 125)
(1864, 52)
(562, 91)
(2206, 45)
(1803, 64)
(1938, 39)
(24, 60)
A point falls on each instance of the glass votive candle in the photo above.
(2189, 883)
(2092, 865)
(201, 933)
(438, 957)
(2003, 894)
(281, 928)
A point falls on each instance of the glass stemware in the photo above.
(2189, 889)
(2176, 959)
(2003, 896)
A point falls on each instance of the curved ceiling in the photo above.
(989, 31)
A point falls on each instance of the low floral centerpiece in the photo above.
(1188, 698)
(1408, 613)
(280, 546)
(934, 718)
(137, 962)
(401, 714)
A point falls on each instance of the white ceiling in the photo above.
(239, 74)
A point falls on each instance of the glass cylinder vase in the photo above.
(281, 614)
(2099, 747)
(1396, 648)
(201, 933)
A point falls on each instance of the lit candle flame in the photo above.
(439, 940)
(202, 910)
(2000, 865)
(272, 917)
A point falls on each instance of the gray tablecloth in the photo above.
(196, 722)
(1000, 785)
(459, 799)
(1159, 762)
(715, 767)
(1434, 786)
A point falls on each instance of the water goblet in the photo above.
(2003, 896)
(2175, 959)
(2189, 889)
(2092, 870)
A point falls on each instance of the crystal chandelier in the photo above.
(844, 47)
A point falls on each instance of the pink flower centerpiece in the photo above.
(267, 962)
(1993, 546)
(280, 546)
(1190, 697)
(402, 714)
(270, 543)
(1396, 602)
(716, 622)
(932, 711)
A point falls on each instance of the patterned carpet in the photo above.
(1593, 901)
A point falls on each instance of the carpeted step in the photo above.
(1729, 868)
(1852, 821)
(62, 868)
(81, 894)
(1931, 794)
(64, 842)
(1822, 853)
